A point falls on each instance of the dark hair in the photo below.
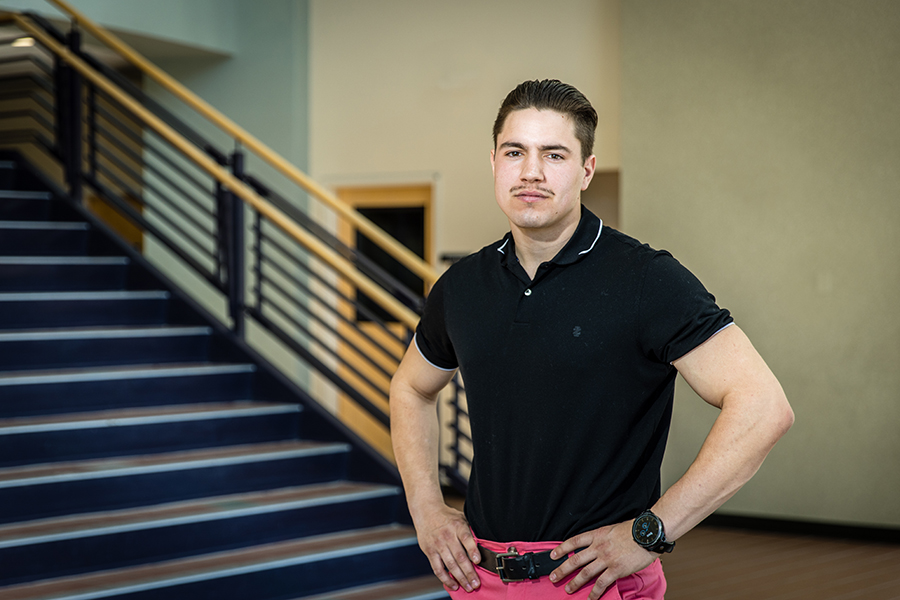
(552, 94)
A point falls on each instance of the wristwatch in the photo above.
(649, 533)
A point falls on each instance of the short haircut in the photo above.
(552, 94)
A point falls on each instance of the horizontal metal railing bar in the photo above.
(138, 219)
(239, 188)
(319, 366)
(114, 178)
(141, 177)
(155, 107)
(146, 142)
(301, 328)
(138, 197)
(329, 307)
(364, 310)
(389, 244)
(363, 262)
(271, 302)
(268, 239)
(380, 390)
(327, 326)
(460, 456)
(191, 219)
(462, 434)
(158, 153)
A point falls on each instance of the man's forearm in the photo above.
(414, 434)
(740, 439)
(443, 532)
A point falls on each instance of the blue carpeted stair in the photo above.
(145, 453)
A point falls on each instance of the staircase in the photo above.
(145, 453)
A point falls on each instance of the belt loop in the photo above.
(529, 561)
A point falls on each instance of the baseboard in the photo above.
(881, 535)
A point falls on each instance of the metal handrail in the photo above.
(227, 179)
(385, 241)
(149, 174)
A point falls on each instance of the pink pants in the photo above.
(647, 584)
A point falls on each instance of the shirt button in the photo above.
(528, 292)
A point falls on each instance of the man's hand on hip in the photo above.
(609, 554)
(445, 538)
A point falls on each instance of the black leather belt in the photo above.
(512, 566)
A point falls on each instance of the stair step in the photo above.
(427, 587)
(43, 238)
(41, 392)
(26, 440)
(263, 572)
(112, 539)
(44, 226)
(54, 489)
(62, 273)
(26, 205)
(24, 195)
(29, 310)
(93, 346)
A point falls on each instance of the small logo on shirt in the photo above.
(576, 331)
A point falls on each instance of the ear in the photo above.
(492, 161)
(589, 166)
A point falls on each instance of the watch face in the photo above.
(647, 530)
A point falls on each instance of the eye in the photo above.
(554, 156)
(513, 153)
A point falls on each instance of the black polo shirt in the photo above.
(568, 377)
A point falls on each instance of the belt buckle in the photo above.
(513, 553)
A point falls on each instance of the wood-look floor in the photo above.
(731, 564)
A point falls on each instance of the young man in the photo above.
(568, 336)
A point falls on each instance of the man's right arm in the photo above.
(443, 532)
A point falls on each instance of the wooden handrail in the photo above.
(238, 187)
(400, 252)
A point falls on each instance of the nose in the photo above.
(532, 169)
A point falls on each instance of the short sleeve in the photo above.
(432, 338)
(677, 313)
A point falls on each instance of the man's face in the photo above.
(538, 172)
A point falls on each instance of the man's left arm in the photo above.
(728, 373)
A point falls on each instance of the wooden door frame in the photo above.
(413, 195)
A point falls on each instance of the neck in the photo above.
(534, 247)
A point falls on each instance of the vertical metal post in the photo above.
(257, 260)
(92, 130)
(72, 107)
(236, 279)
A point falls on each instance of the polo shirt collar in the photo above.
(585, 238)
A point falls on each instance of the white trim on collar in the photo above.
(594, 243)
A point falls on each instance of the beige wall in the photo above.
(761, 145)
(405, 91)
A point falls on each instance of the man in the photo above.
(568, 336)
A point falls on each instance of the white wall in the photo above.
(407, 91)
(761, 145)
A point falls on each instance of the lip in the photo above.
(531, 196)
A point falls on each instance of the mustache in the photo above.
(531, 188)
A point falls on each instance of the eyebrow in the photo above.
(549, 147)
